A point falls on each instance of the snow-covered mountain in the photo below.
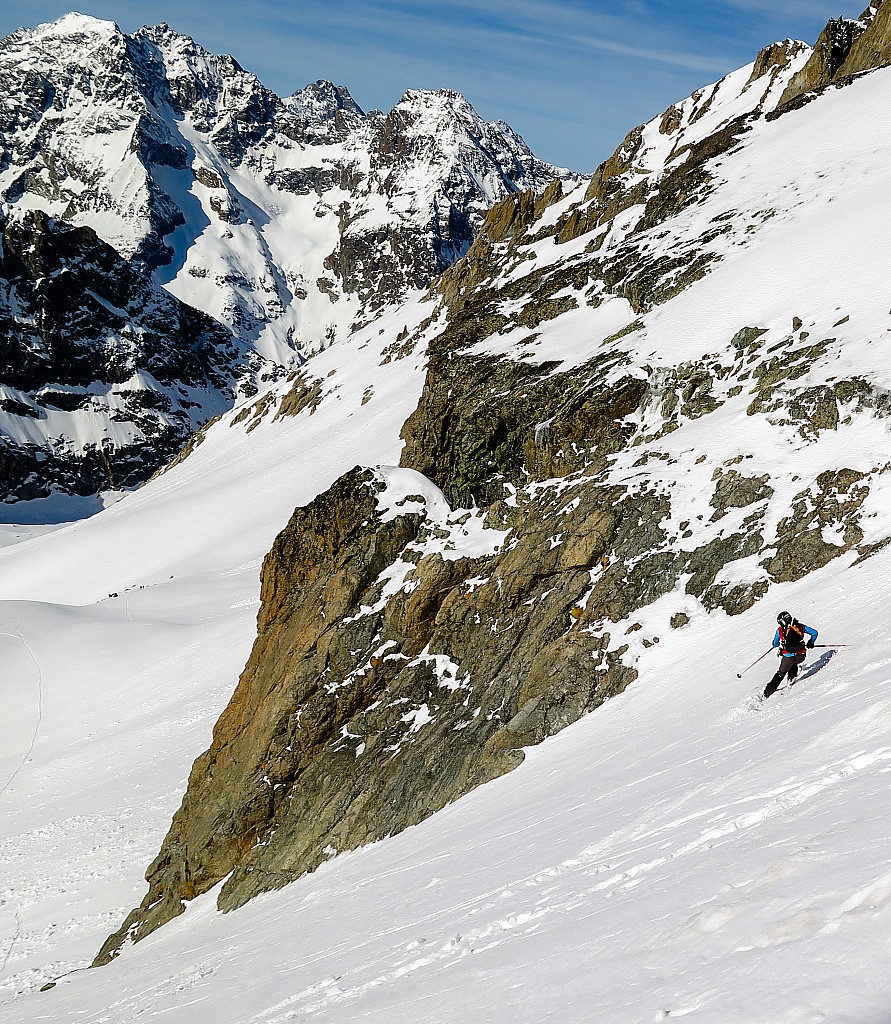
(285, 220)
(639, 418)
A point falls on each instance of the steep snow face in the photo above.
(674, 854)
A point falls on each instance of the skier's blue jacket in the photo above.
(790, 648)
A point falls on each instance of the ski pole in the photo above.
(739, 675)
(833, 645)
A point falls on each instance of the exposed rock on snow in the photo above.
(104, 375)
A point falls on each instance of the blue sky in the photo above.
(571, 76)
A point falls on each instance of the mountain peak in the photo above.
(436, 99)
(73, 28)
(75, 23)
(198, 175)
(321, 100)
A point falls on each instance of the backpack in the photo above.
(792, 638)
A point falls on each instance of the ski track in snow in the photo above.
(17, 635)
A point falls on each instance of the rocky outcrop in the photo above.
(374, 694)
(830, 53)
(86, 337)
(845, 48)
(829, 507)
(775, 58)
(872, 48)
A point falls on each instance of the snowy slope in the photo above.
(677, 851)
(727, 865)
(683, 851)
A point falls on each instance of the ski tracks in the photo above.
(609, 870)
(25, 758)
(58, 862)
(596, 880)
(16, 634)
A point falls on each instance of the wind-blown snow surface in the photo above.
(676, 852)
(680, 852)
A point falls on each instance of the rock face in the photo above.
(116, 373)
(580, 476)
(845, 48)
(285, 220)
(345, 726)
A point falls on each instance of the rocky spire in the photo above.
(845, 47)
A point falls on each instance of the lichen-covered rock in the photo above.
(746, 337)
(471, 447)
(823, 525)
(733, 490)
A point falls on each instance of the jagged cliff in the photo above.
(637, 394)
(845, 49)
(113, 372)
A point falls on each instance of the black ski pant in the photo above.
(788, 667)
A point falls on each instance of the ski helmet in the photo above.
(784, 619)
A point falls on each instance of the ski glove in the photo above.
(810, 642)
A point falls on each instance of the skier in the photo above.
(789, 638)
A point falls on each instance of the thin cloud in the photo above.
(795, 9)
(687, 61)
(572, 76)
